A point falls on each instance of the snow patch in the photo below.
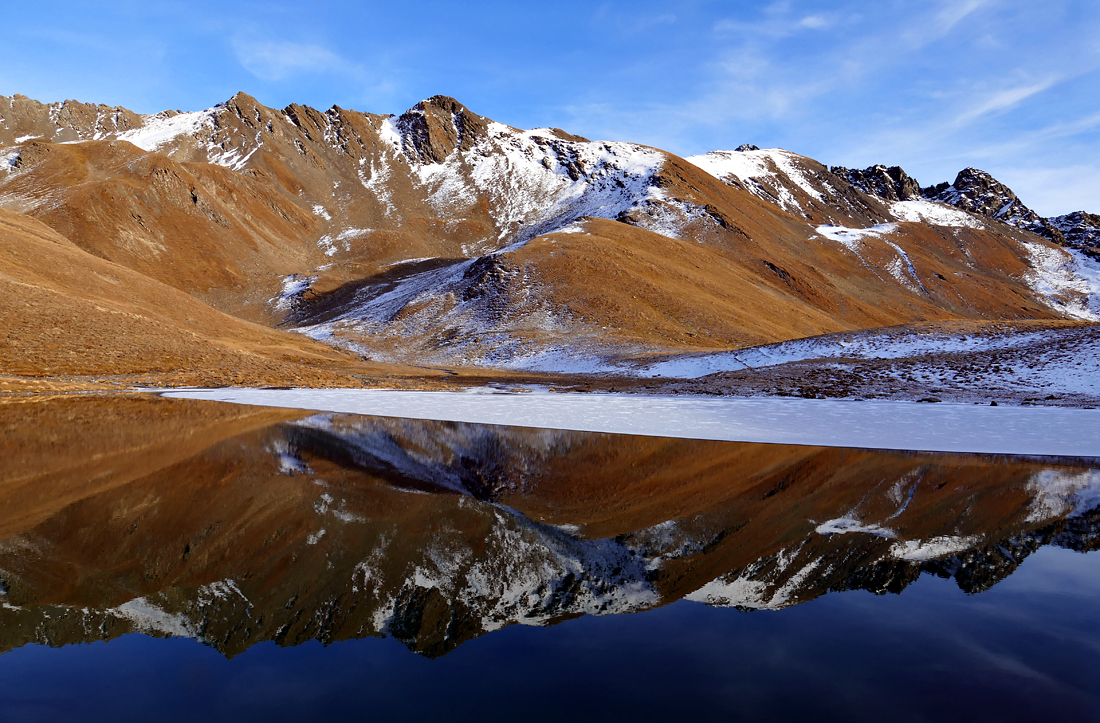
(1058, 493)
(9, 159)
(933, 548)
(844, 525)
(162, 128)
(852, 238)
(148, 618)
(294, 287)
(931, 212)
(1068, 281)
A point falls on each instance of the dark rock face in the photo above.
(747, 147)
(976, 191)
(437, 126)
(892, 184)
(1081, 230)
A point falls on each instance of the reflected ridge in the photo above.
(236, 525)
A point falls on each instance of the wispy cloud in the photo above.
(274, 60)
(954, 11)
(1000, 101)
(777, 22)
(941, 21)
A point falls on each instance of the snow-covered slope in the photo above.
(799, 185)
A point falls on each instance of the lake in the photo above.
(189, 559)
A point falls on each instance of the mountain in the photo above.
(444, 238)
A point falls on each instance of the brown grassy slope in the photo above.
(222, 236)
(984, 267)
(57, 450)
(650, 288)
(654, 289)
(66, 312)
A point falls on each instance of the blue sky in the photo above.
(1009, 86)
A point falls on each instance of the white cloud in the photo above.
(954, 11)
(815, 22)
(778, 22)
(279, 59)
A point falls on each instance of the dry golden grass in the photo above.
(64, 312)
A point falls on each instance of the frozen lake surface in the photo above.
(823, 422)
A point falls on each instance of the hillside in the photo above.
(69, 314)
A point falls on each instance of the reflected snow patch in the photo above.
(844, 525)
(932, 548)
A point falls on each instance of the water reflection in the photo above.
(240, 525)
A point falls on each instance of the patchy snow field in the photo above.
(875, 425)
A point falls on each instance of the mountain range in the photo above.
(250, 245)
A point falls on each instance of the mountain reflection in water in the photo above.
(236, 525)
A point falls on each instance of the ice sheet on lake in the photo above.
(824, 422)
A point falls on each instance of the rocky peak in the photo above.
(747, 147)
(1079, 229)
(976, 191)
(435, 127)
(243, 105)
(890, 183)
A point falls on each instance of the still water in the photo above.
(194, 560)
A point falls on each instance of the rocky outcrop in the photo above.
(978, 192)
(1079, 230)
(435, 127)
(891, 184)
(22, 118)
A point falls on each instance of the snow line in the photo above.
(818, 422)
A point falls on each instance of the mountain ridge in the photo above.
(305, 218)
(977, 191)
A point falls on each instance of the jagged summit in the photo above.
(435, 127)
(892, 183)
(976, 191)
(1079, 229)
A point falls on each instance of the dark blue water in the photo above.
(1026, 650)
